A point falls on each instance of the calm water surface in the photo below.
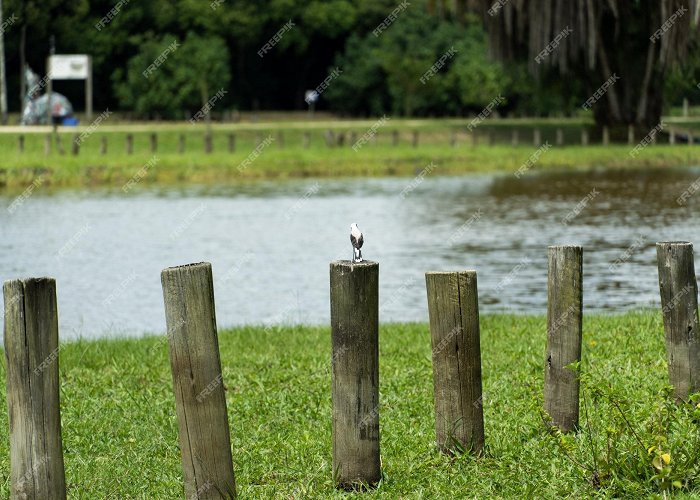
(270, 242)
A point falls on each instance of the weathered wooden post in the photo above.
(47, 144)
(129, 144)
(231, 142)
(306, 140)
(59, 144)
(330, 138)
(630, 134)
(154, 142)
(200, 399)
(679, 301)
(453, 138)
(394, 137)
(280, 139)
(514, 138)
(691, 138)
(207, 143)
(453, 307)
(20, 143)
(584, 137)
(564, 332)
(560, 137)
(258, 139)
(31, 353)
(354, 295)
(606, 135)
(76, 145)
(415, 139)
(536, 138)
(181, 144)
(341, 138)
(103, 145)
(671, 136)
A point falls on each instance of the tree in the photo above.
(639, 41)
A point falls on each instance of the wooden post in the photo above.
(200, 400)
(341, 138)
(103, 145)
(154, 142)
(207, 143)
(515, 138)
(330, 138)
(584, 137)
(306, 140)
(671, 136)
(353, 138)
(258, 139)
(564, 322)
(453, 307)
(685, 107)
(475, 138)
(492, 137)
(47, 144)
(394, 137)
(20, 143)
(691, 139)
(536, 138)
(354, 299)
(606, 135)
(453, 138)
(181, 144)
(415, 138)
(630, 134)
(280, 139)
(129, 144)
(560, 137)
(679, 301)
(76, 145)
(31, 352)
(231, 142)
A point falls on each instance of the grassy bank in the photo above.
(285, 156)
(120, 432)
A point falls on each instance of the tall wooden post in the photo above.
(200, 399)
(679, 301)
(31, 352)
(453, 307)
(354, 295)
(564, 332)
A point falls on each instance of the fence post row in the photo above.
(31, 350)
(200, 399)
(453, 307)
(354, 297)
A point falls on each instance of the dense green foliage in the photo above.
(120, 430)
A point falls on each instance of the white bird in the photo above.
(356, 239)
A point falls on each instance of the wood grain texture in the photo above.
(679, 305)
(31, 353)
(200, 399)
(354, 295)
(564, 335)
(453, 308)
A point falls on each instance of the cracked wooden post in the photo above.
(453, 308)
(679, 302)
(564, 333)
(354, 296)
(200, 400)
(33, 403)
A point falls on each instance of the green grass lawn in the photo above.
(120, 431)
(285, 156)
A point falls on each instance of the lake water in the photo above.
(270, 243)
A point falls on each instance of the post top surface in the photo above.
(674, 243)
(462, 271)
(347, 263)
(185, 266)
(554, 247)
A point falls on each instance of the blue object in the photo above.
(70, 121)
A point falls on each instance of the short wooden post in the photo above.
(536, 138)
(353, 137)
(154, 142)
(671, 136)
(330, 138)
(453, 138)
(564, 332)
(415, 139)
(20, 143)
(207, 143)
(280, 139)
(679, 301)
(231, 142)
(181, 144)
(606, 135)
(306, 140)
(47, 144)
(200, 400)
(515, 138)
(103, 145)
(691, 138)
(76, 145)
(584, 137)
(354, 295)
(630, 134)
(31, 352)
(129, 144)
(453, 307)
(560, 137)
(394, 137)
